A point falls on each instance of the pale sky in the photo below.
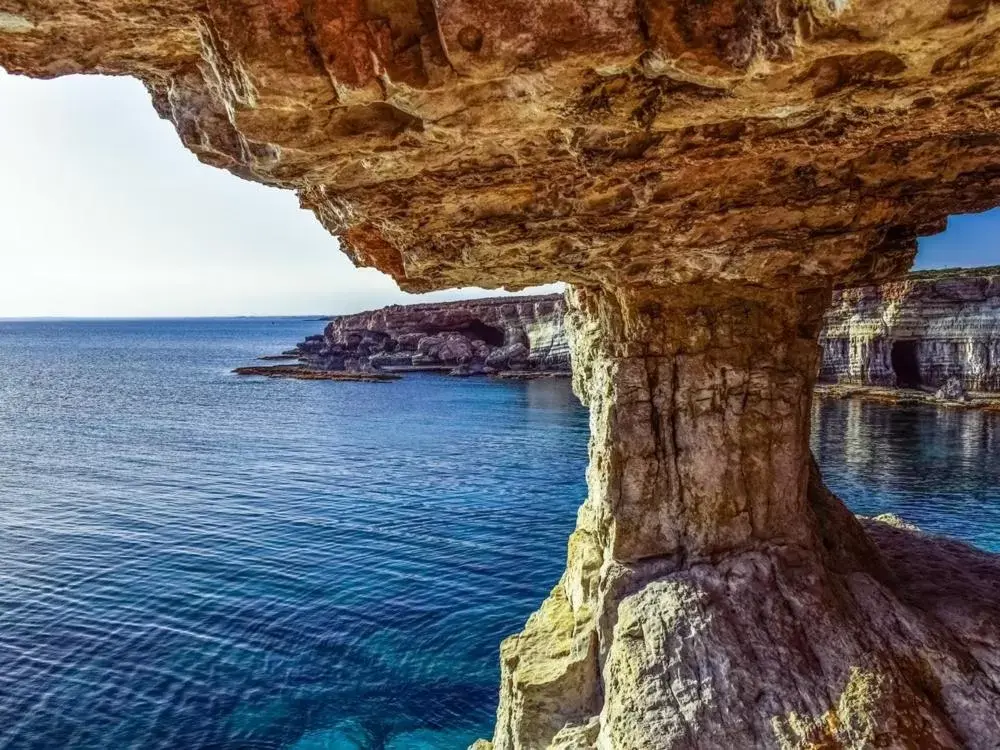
(104, 213)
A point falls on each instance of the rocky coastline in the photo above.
(921, 333)
(507, 337)
(909, 396)
(932, 337)
(702, 174)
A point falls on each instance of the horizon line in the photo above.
(69, 318)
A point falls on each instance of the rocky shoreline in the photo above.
(303, 372)
(908, 396)
(930, 330)
(508, 337)
(701, 174)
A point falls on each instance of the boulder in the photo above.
(952, 390)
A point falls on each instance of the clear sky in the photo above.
(970, 240)
(104, 213)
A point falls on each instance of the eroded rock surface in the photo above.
(704, 172)
(921, 331)
(607, 142)
(716, 594)
(501, 335)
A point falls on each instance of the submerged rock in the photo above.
(301, 372)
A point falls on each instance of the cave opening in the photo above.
(906, 364)
(493, 336)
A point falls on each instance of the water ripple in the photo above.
(198, 561)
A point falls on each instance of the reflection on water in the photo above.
(550, 393)
(938, 468)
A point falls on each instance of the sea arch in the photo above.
(702, 175)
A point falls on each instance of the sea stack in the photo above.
(703, 173)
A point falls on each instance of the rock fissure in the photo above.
(312, 47)
(677, 485)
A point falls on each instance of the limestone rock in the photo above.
(703, 173)
(921, 331)
(598, 142)
(951, 391)
(716, 595)
(944, 325)
(465, 338)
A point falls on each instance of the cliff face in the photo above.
(702, 173)
(922, 331)
(918, 332)
(519, 335)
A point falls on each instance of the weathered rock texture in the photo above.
(600, 142)
(500, 335)
(923, 331)
(929, 329)
(716, 595)
(704, 172)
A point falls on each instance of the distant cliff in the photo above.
(920, 332)
(501, 335)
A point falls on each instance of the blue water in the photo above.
(937, 468)
(191, 560)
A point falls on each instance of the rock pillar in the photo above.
(699, 403)
(716, 594)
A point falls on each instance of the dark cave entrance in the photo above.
(905, 364)
(477, 329)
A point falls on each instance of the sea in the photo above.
(193, 560)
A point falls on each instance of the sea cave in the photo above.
(703, 176)
(906, 364)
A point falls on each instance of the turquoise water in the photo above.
(197, 561)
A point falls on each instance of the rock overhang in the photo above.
(781, 143)
(689, 165)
